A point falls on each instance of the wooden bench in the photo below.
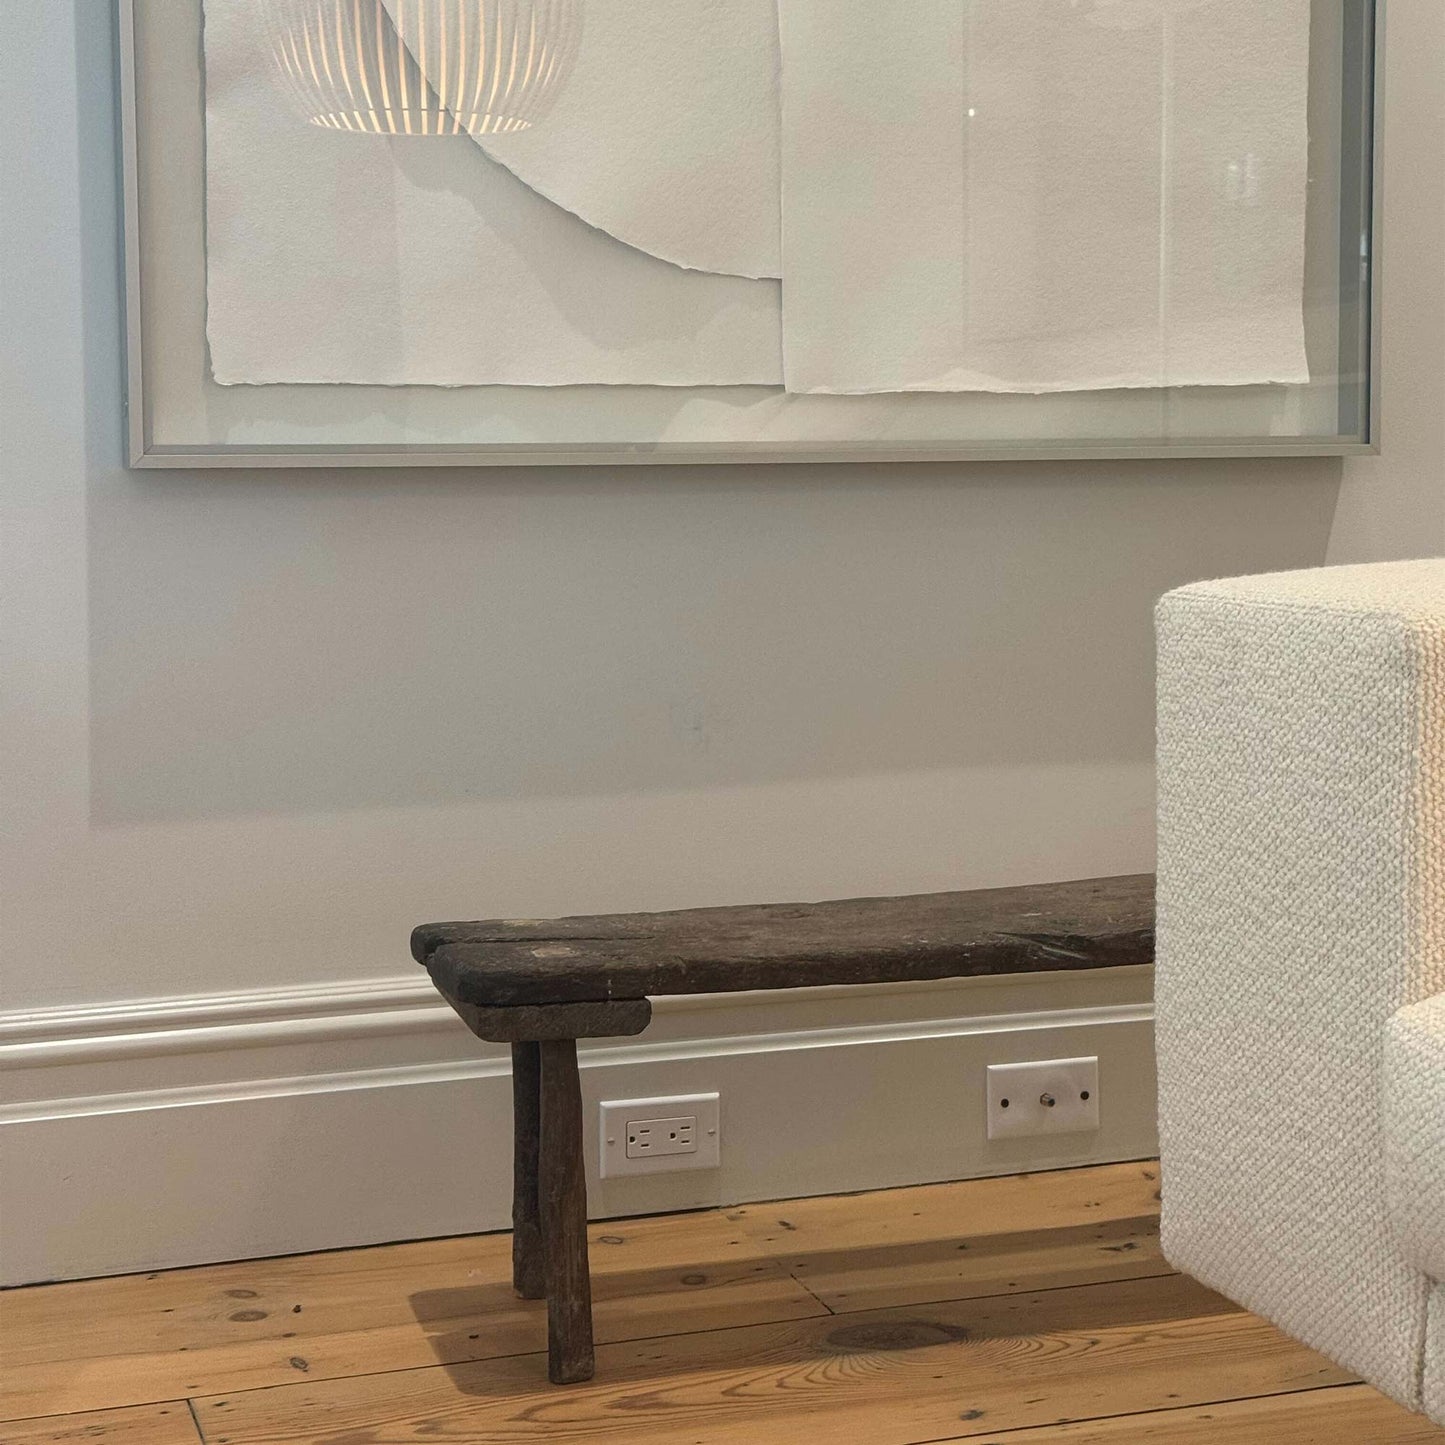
(542, 985)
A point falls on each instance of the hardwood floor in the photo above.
(1020, 1310)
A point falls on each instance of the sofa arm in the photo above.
(1301, 852)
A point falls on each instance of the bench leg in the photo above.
(528, 1256)
(563, 1198)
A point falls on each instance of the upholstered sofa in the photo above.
(1301, 957)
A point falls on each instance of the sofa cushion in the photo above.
(1414, 1095)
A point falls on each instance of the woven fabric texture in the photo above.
(1415, 1132)
(1302, 835)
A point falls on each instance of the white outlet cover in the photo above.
(1018, 1094)
(614, 1116)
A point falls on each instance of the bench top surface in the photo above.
(1090, 923)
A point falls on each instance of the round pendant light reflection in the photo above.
(352, 65)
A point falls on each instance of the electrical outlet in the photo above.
(1052, 1096)
(654, 1136)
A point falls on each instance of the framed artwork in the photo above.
(463, 232)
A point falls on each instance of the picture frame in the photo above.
(177, 417)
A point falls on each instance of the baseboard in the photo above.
(153, 1133)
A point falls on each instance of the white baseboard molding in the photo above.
(154, 1133)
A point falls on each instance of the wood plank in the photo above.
(529, 1261)
(531, 1023)
(1342, 1415)
(1091, 923)
(562, 1200)
(90, 1344)
(992, 1236)
(163, 1424)
(889, 1377)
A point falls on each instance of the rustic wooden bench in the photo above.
(542, 985)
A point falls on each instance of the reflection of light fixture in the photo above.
(361, 65)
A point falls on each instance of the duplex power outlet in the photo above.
(653, 1137)
(656, 1136)
(1051, 1096)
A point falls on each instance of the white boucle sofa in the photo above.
(1301, 957)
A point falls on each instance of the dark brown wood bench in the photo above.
(542, 985)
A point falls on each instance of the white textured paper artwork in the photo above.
(418, 260)
(958, 195)
(666, 132)
(1043, 195)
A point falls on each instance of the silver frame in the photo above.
(143, 454)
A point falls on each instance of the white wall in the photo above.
(257, 725)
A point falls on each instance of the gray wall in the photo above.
(257, 725)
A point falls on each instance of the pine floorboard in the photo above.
(1344, 1415)
(163, 1424)
(1023, 1309)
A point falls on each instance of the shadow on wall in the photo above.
(297, 642)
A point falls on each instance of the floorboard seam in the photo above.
(802, 1285)
(196, 1421)
(1002, 1294)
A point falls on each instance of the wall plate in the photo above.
(1048, 1096)
(658, 1136)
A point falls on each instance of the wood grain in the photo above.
(91, 1344)
(162, 1424)
(940, 1242)
(529, 1267)
(562, 1201)
(1343, 1415)
(890, 1377)
(709, 1340)
(530, 1023)
(1093, 923)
